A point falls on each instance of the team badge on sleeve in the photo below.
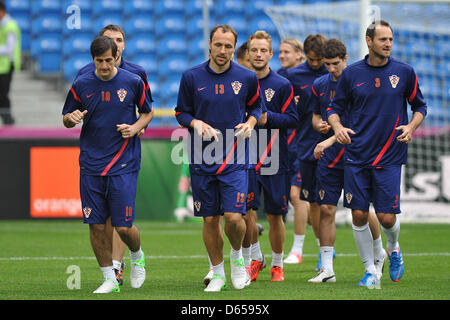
(394, 80)
(269, 94)
(122, 93)
(236, 86)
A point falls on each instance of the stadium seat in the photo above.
(194, 25)
(134, 7)
(14, 6)
(140, 44)
(77, 43)
(172, 43)
(23, 20)
(262, 22)
(49, 62)
(104, 20)
(141, 22)
(86, 25)
(169, 23)
(173, 64)
(234, 7)
(49, 22)
(255, 8)
(239, 24)
(73, 64)
(106, 7)
(84, 5)
(163, 7)
(193, 8)
(26, 41)
(147, 61)
(48, 42)
(197, 46)
(39, 7)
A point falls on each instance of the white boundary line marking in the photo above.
(420, 254)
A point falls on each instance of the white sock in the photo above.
(378, 247)
(219, 269)
(277, 259)
(297, 246)
(392, 236)
(108, 273)
(247, 254)
(327, 259)
(235, 254)
(116, 264)
(256, 251)
(210, 263)
(136, 255)
(364, 242)
(318, 242)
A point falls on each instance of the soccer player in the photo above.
(302, 78)
(214, 100)
(116, 33)
(105, 101)
(330, 168)
(373, 94)
(290, 55)
(281, 114)
(242, 56)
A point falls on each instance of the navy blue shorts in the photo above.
(215, 194)
(330, 183)
(109, 196)
(380, 184)
(253, 195)
(275, 190)
(308, 172)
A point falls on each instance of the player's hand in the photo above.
(324, 127)
(319, 150)
(128, 131)
(141, 133)
(76, 117)
(343, 135)
(245, 130)
(205, 131)
(406, 135)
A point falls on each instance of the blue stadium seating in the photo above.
(147, 61)
(110, 18)
(84, 5)
(140, 22)
(106, 7)
(173, 64)
(134, 7)
(48, 42)
(18, 6)
(172, 43)
(139, 44)
(48, 22)
(262, 22)
(49, 62)
(77, 43)
(173, 22)
(86, 25)
(39, 7)
(193, 8)
(164, 7)
(74, 63)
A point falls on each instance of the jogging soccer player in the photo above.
(373, 94)
(105, 101)
(290, 55)
(116, 33)
(302, 78)
(281, 114)
(214, 100)
(330, 168)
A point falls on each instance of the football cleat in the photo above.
(255, 267)
(108, 286)
(239, 275)
(119, 273)
(276, 274)
(208, 277)
(396, 266)
(137, 272)
(323, 276)
(260, 229)
(379, 265)
(216, 284)
(293, 258)
(370, 281)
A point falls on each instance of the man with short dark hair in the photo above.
(373, 94)
(105, 101)
(216, 97)
(302, 78)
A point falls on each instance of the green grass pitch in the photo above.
(37, 254)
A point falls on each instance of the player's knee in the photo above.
(327, 212)
(359, 217)
(96, 227)
(387, 220)
(123, 231)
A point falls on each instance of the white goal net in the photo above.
(421, 39)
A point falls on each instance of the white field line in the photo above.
(420, 254)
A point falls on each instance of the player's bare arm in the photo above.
(341, 133)
(246, 128)
(263, 119)
(320, 148)
(71, 119)
(129, 131)
(408, 130)
(319, 125)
